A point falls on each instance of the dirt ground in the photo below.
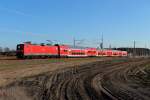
(12, 69)
(77, 79)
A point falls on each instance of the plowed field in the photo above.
(117, 79)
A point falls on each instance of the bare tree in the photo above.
(6, 49)
(1, 49)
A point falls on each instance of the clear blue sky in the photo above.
(121, 21)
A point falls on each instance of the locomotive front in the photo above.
(20, 51)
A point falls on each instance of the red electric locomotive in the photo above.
(29, 50)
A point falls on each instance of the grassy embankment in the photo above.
(13, 64)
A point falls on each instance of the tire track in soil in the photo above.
(96, 81)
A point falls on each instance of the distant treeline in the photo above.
(7, 52)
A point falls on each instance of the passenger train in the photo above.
(28, 50)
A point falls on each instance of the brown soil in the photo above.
(97, 80)
(12, 69)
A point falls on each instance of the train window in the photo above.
(73, 53)
(104, 53)
(78, 53)
(65, 50)
(82, 53)
(99, 53)
(18, 47)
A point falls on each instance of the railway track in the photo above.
(108, 80)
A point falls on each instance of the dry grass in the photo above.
(17, 64)
(12, 69)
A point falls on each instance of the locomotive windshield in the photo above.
(20, 47)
